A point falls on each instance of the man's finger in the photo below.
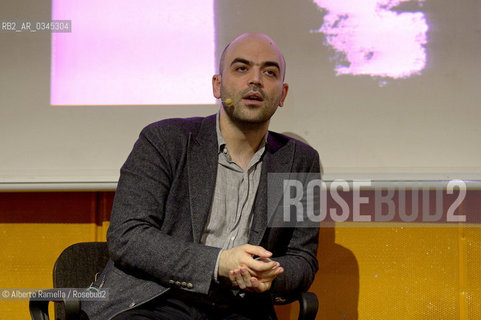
(258, 266)
(232, 278)
(246, 277)
(257, 251)
(260, 286)
(240, 279)
(270, 276)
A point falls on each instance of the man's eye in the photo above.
(271, 73)
(241, 68)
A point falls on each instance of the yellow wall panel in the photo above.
(385, 272)
(28, 254)
(472, 239)
(406, 272)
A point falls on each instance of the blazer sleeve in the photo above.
(299, 259)
(136, 238)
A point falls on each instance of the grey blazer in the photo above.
(162, 203)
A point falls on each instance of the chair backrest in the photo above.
(76, 267)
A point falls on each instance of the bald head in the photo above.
(252, 38)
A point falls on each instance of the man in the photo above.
(189, 236)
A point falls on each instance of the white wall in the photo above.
(424, 125)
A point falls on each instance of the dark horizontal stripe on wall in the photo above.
(95, 206)
(55, 207)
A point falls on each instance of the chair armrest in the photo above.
(39, 304)
(308, 304)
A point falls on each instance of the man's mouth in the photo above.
(253, 96)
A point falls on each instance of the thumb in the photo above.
(258, 251)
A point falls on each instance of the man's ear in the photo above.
(285, 88)
(216, 80)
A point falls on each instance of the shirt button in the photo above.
(225, 150)
(132, 305)
(232, 238)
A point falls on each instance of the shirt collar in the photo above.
(220, 139)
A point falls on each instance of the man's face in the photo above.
(252, 76)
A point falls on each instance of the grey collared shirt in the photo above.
(230, 215)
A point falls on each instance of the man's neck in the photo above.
(242, 139)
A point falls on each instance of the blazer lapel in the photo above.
(277, 159)
(202, 161)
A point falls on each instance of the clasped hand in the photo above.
(246, 272)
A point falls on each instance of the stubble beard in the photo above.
(246, 115)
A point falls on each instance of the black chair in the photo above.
(77, 265)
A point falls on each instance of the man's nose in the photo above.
(255, 78)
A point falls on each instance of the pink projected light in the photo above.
(372, 38)
(133, 52)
